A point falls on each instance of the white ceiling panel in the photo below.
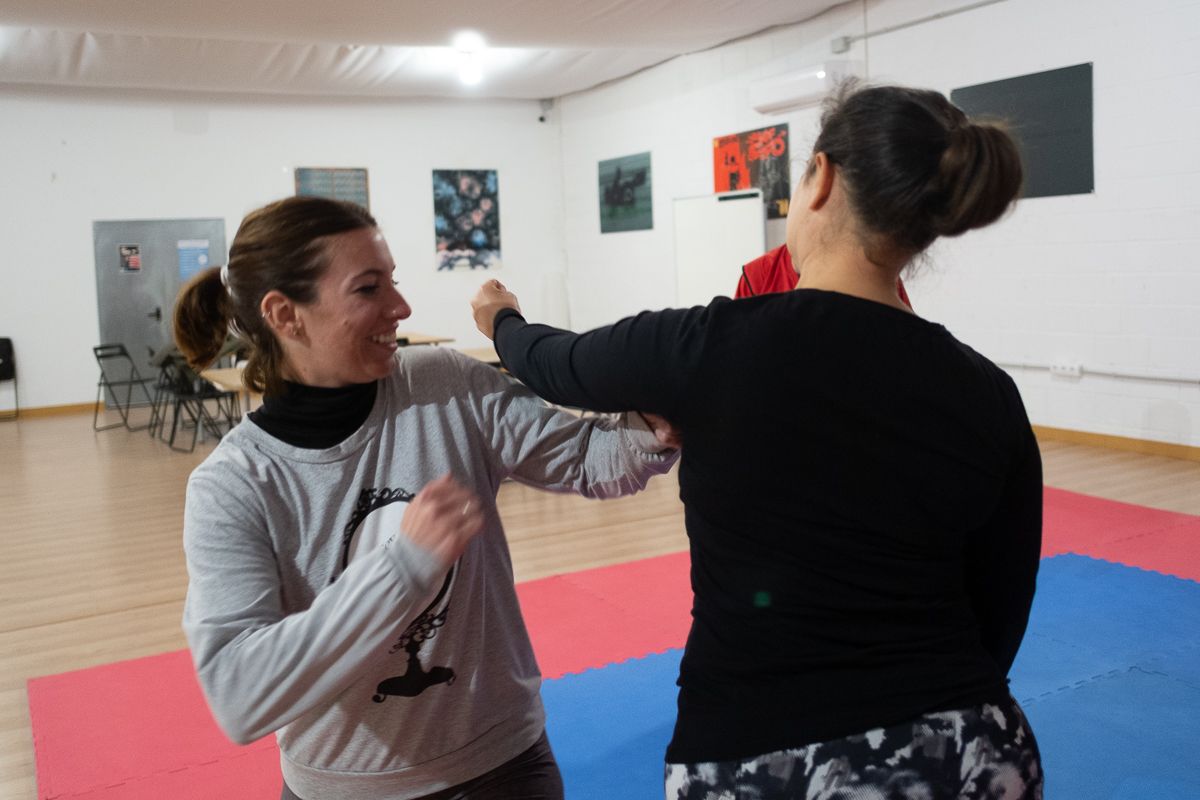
(535, 48)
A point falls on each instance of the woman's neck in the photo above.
(848, 270)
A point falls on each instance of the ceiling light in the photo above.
(468, 42)
(469, 46)
(470, 72)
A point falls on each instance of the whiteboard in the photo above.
(714, 236)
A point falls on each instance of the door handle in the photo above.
(156, 314)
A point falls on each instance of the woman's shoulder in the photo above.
(234, 458)
(429, 361)
(430, 372)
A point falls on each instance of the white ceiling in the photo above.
(376, 48)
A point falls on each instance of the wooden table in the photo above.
(229, 379)
(413, 338)
(485, 354)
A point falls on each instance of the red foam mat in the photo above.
(583, 620)
(1171, 551)
(1164, 541)
(128, 729)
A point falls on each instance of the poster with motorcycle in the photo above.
(755, 159)
(625, 201)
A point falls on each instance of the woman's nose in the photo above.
(400, 308)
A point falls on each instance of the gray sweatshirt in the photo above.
(310, 614)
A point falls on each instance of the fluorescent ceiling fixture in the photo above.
(470, 71)
(468, 42)
(470, 47)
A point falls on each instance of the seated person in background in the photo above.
(773, 272)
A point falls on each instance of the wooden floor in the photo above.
(92, 568)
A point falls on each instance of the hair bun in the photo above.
(978, 177)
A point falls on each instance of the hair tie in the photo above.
(225, 280)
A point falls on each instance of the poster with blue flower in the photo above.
(466, 218)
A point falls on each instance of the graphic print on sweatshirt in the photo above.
(376, 520)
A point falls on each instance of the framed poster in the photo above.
(625, 196)
(193, 257)
(336, 183)
(131, 257)
(466, 218)
(1050, 115)
(755, 159)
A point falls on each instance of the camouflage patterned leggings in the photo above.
(982, 753)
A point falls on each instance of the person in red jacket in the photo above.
(773, 272)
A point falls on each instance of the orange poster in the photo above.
(755, 160)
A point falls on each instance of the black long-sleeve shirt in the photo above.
(863, 499)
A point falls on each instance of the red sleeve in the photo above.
(769, 273)
(903, 294)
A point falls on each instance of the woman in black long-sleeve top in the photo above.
(863, 492)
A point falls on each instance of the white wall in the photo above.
(1110, 280)
(71, 158)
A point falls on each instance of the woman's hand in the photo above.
(666, 433)
(489, 301)
(442, 519)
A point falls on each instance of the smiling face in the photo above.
(348, 334)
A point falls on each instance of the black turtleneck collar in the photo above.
(315, 417)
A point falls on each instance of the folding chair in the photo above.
(118, 374)
(190, 397)
(8, 372)
(164, 390)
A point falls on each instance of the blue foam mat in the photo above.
(1109, 675)
(610, 727)
(1132, 735)
(1091, 617)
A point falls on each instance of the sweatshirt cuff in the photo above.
(642, 437)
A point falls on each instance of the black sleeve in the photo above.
(642, 363)
(1003, 556)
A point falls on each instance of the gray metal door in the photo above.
(140, 267)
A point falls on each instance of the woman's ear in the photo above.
(279, 314)
(821, 181)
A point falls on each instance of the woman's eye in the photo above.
(368, 289)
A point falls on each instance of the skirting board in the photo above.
(57, 411)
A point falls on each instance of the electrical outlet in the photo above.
(1068, 369)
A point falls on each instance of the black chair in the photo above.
(164, 387)
(8, 372)
(194, 404)
(119, 377)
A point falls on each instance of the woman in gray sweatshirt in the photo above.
(351, 588)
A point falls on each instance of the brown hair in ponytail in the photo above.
(202, 316)
(282, 247)
(914, 167)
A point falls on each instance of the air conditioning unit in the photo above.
(803, 87)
